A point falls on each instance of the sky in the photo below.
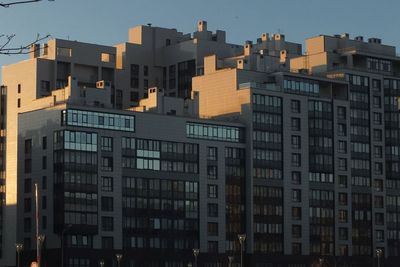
(107, 21)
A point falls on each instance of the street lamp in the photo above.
(19, 248)
(378, 255)
(196, 252)
(230, 260)
(119, 258)
(242, 238)
(40, 240)
(65, 229)
(101, 263)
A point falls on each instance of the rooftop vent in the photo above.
(374, 40)
(359, 38)
(345, 35)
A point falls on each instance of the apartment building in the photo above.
(172, 142)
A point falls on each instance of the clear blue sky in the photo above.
(107, 21)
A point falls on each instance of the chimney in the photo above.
(264, 37)
(34, 51)
(283, 56)
(202, 26)
(247, 48)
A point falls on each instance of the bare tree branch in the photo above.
(5, 40)
(19, 2)
(21, 50)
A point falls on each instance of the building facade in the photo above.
(172, 142)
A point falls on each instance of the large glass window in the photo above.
(214, 132)
(102, 120)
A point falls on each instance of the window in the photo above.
(44, 162)
(296, 177)
(100, 120)
(378, 151)
(296, 159)
(146, 70)
(28, 146)
(295, 122)
(212, 229)
(379, 218)
(106, 184)
(27, 185)
(296, 195)
(107, 223)
(341, 113)
(44, 142)
(107, 242)
(343, 181)
(213, 246)
(342, 129)
(378, 184)
(342, 164)
(380, 236)
(106, 163)
(107, 204)
(378, 166)
(343, 199)
(27, 225)
(106, 143)
(342, 146)
(296, 141)
(296, 213)
(377, 135)
(44, 182)
(377, 118)
(342, 216)
(134, 76)
(45, 86)
(28, 166)
(296, 231)
(377, 101)
(44, 222)
(212, 191)
(378, 202)
(213, 132)
(343, 233)
(212, 172)
(19, 102)
(44, 202)
(19, 88)
(212, 153)
(376, 85)
(27, 204)
(296, 248)
(172, 77)
(212, 210)
(295, 106)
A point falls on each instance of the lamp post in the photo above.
(19, 248)
(119, 258)
(40, 240)
(378, 255)
(101, 263)
(230, 260)
(242, 239)
(196, 252)
(65, 229)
